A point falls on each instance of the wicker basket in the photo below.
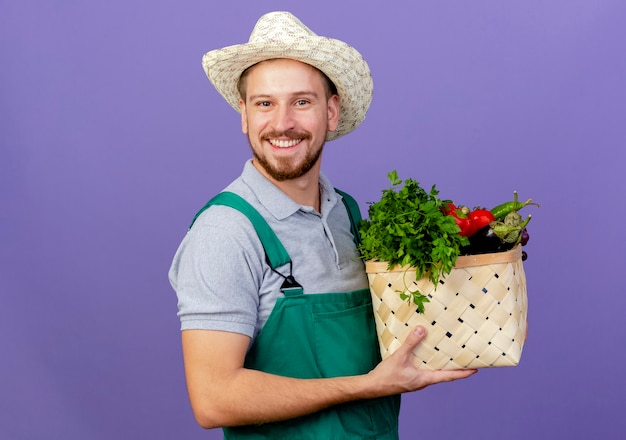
(476, 317)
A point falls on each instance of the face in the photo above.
(286, 115)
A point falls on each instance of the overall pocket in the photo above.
(346, 345)
(345, 341)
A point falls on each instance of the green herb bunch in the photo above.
(408, 226)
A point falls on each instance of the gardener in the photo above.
(268, 352)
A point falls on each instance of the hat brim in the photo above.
(343, 64)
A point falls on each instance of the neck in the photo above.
(304, 190)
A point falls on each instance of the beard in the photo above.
(284, 168)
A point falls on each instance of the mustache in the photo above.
(289, 134)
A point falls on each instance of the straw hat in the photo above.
(282, 35)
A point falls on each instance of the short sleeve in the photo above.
(217, 273)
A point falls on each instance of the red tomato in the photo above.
(479, 218)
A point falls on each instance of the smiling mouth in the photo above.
(284, 143)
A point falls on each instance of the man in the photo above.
(277, 329)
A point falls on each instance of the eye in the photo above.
(301, 102)
(263, 103)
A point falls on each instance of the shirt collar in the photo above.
(277, 202)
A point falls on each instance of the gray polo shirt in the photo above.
(219, 272)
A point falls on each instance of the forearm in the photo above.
(223, 393)
(252, 397)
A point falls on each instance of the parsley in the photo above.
(407, 226)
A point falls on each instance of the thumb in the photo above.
(414, 338)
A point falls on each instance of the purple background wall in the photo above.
(111, 137)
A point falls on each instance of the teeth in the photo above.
(285, 144)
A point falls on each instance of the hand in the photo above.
(398, 374)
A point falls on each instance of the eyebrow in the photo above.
(294, 94)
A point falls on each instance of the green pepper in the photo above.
(502, 210)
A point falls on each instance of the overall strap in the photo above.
(274, 250)
(354, 213)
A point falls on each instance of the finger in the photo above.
(438, 376)
(461, 374)
(414, 338)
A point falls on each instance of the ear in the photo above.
(244, 116)
(333, 112)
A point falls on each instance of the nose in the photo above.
(284, 118)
